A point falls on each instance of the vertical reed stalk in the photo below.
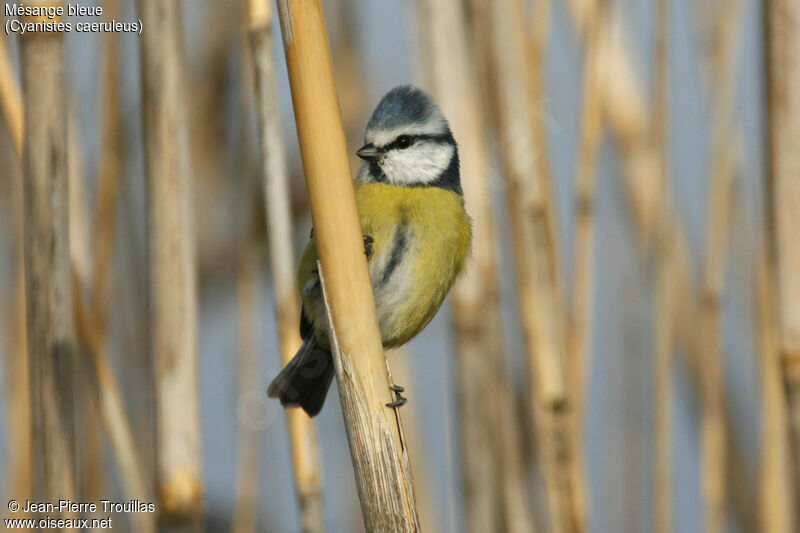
(248, 291)
(536, 45)
(664, 304)
(108, 170)
(662, 369)
(348, 75)
(88, 464)
(18, 387)
(776, 493)
(429, 506)
(379, 454)
(532, 235)
(249, 295)
(92, 320)
(581, 322)
(303, 437)
(495, 485)
(714, 445)
(50, 327)
(79, 241)
(539, 29)
(783, 57)
(625, 109)
(173, 299)
(11, 98)
(535, 259)
(110, 405)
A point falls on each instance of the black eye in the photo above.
(404, 141)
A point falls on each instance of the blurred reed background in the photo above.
(621, 357)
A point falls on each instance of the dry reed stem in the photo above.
(713, 433)
(429, 505)
(626, 110)
(664, 304)
(173, 298)
(662, 373)
(108, 170)
(495, 485)
(104, 224)
(11, 98)
(536, 39)
(783, 58)
(624, 106)
(379, 454)
(51, 335)
(105, 389)
(303, 438)
(88, 462)
(776, 493)
(581, 323)
(516, 499)
(535, 258)
(92, 318)
(249, 457)
(78, 207)
(480, 364)
(527, 199)
(380, 512)
(348, 76)
(18, 391)
(529, 191)
(111, 407)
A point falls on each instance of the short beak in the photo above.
(368, 152)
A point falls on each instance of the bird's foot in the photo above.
(368, 240)
(401, 400)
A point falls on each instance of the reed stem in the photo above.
(11, 99)
(536, 259)
(173, 298)
(776, 490)
(110, 405)
(591, 130)
(783, 57)
(303, 438)
(664, 304)
(714, 442)
(379, 454)
(248, 289)
(495, 486)
(50, 329)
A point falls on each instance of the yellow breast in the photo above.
(421, 238)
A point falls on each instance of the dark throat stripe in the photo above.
(398, 249)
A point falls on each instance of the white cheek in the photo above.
(422, 163)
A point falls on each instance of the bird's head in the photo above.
(408, 143)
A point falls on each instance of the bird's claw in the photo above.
(368, 240)
(401, 400)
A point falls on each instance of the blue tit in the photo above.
(417, 236)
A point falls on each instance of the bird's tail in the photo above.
(305, 380)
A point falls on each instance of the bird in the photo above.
(417, 239)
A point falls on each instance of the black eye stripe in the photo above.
(396, 144)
